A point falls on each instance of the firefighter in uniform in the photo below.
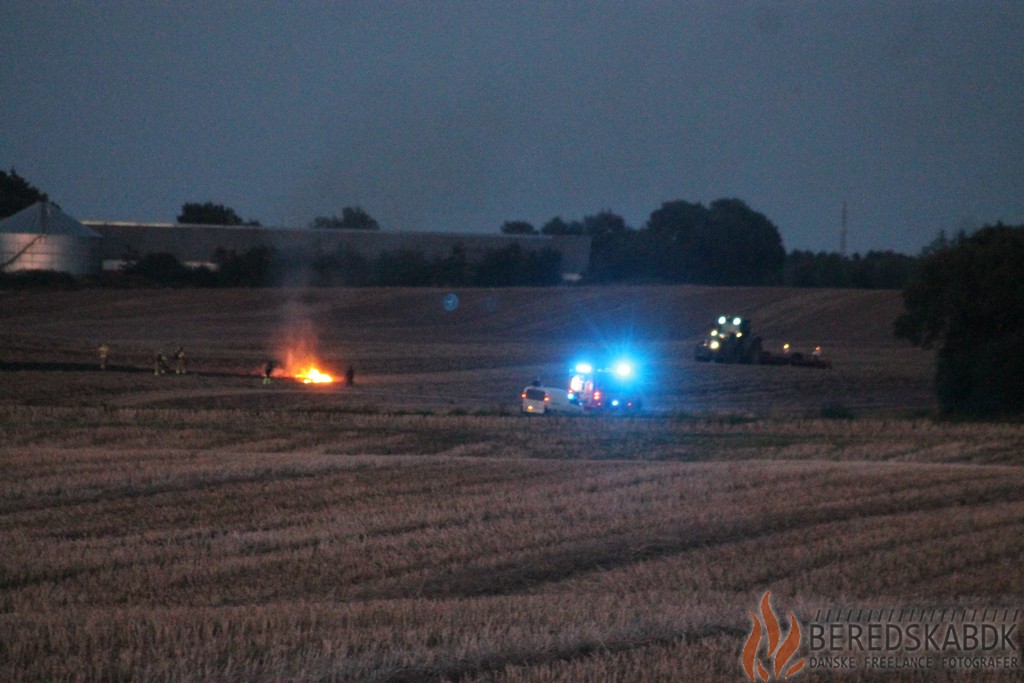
(159, 363)
(104, 350)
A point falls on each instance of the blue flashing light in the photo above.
(623, 369)
(584, 368)
(615, 402)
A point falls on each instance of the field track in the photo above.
(415, 528)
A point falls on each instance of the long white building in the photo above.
(197, 243)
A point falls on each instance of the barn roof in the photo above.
(44, 218)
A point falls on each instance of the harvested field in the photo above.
(415, 527)
(411, 353)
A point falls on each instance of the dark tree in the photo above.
(557, 226)
(727, 243)
(355, 218)
(352, 218)
(518, 228)
(514, 266)
(211, 214)
(353, 267)
(500, 267)
(16, 194)
(757, 255)
(160, 269)
(685, 243)
(822, 269)
(257, 267)
(604, 223)
(507, 267)
(968, 299)
(403, 268)
(326, 223)
(39, 279)
(874, 270)
(453, 270)
(616, 250)
(542, 268)
(883, 270)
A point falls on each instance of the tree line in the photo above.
(724, 243)
(209, 213)
(510, 266)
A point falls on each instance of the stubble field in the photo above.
(415, 527)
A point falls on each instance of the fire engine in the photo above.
(612, 388)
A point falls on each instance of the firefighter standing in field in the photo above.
(159, 363)
(350, 376)
(179, 361)
(104, 350)
(268, 370)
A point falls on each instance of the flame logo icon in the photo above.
(779, 650)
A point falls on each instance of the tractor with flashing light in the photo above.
(729, 340)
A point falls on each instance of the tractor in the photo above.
(729, 340)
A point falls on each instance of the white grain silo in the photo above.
(42, 237)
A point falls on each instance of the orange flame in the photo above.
(780, 653)
(301, 360)
(312, 375)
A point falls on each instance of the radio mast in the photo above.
(842, 232)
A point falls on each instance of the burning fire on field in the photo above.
(300, 361)
(312, 375)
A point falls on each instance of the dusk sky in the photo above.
(457, 116)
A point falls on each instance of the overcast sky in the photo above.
(458, 116)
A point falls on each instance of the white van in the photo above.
(541, 400)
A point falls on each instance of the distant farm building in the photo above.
(42, 237)
(197, 244)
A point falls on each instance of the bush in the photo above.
(968, 298)
(161, 269)
(38, 279)
(257, 267)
